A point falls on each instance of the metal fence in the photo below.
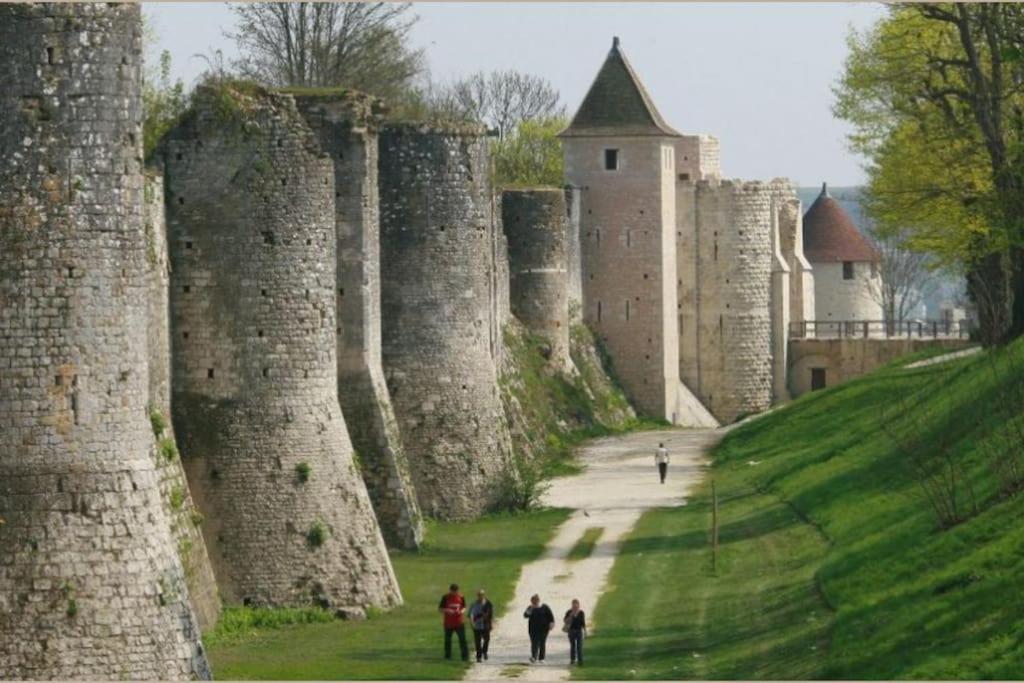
(880, 329)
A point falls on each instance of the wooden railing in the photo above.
(880, 329)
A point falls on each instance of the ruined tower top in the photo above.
(618, 104)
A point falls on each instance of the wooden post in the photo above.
(714, 527)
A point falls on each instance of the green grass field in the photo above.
(832, 564)
(405, 643)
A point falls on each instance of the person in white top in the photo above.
(661, 458)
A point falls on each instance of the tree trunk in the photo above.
(989, 287)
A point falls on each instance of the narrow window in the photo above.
(847, 270)
(209, 373)
(49, 55)
(629, 237)
(611, 159)
(597, 235)
(817, 378)
(598, 311)
(627, 309)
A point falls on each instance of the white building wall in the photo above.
(840, 300)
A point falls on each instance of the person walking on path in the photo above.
(540, 621)
(481, 615)
(452, 606)
(661, 458)
(575, 624)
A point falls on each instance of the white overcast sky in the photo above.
(756, 75)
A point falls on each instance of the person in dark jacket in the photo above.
(540, 622)
(453, 606)
(575, 624)
(481, 615)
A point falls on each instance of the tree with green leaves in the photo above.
(532, 156)
(163, 100)
(934, 92)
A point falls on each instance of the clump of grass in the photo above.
(317, 534)
(302, 472)
(584, 546)
(177, 498)
(168, 449)
(238, 623)
(157, 422)
(197, 518)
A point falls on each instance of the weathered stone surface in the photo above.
(183, 515)
(627, 240)
(90, 581)
(535, 226)
(438, 307)
(346, 126)
(251, 222)
(727, 357)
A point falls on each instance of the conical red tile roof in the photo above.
(830, 235)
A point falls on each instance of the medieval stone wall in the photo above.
(437, 301)
(251, 222)
(90, 581)
(791, 240)
(535, 225)
(573, 255)
(184, 517)
(346, 128)
(726, 261)
(627, 235)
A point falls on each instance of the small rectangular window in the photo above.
(847, 270)
(817, 379)
(611, 159)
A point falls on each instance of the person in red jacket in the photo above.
(453, 606)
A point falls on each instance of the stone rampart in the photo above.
(437, 301)
(251, 222)
(535, 225)
(91, 586)
(346, 126)
(185, 517)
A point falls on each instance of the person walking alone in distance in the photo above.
(481, 614)
(574, 623)
(541, 621)
(661, 458)
(452, 607)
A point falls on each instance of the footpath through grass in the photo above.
(406, 643)
(832, 563)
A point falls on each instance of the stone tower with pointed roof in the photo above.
(620, 152)
(691, 281)
(845, 263)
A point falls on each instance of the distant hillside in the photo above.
(849, 198)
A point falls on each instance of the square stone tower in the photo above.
(620, 153)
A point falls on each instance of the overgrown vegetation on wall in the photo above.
(550, 412)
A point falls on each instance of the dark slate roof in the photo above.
(830, 234)
(617, 104)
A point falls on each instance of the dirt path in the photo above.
(620, 483)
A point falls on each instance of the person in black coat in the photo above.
(575, 625)
(540, 622)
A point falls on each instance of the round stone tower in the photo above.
(90, 581)
(847, 280)
(250, 211)
(438, 306)
(535, 225)
(732, 370)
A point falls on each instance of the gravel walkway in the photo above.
(619, 484)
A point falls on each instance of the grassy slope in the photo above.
(405, 643)
(549, 413)
(830, 563)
